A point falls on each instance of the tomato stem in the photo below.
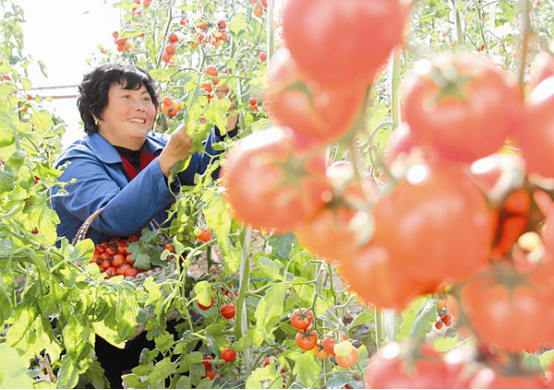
(241, 321)
(527, 33)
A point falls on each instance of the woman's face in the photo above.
(128, 117)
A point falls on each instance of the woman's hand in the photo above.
(178, 148)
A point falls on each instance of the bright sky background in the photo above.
(63, 34)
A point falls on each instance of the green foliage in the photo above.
(54, 302)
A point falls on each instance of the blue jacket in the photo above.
(101, 182)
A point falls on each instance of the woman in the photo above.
(123, 168)
(119, 165)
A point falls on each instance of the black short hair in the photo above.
(93, 91)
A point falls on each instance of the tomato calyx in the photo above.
(450, 82)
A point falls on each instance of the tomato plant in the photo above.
(380, 236)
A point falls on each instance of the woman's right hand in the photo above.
(178, 148)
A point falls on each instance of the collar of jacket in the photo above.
(154, 144)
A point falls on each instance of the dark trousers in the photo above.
(116, 362)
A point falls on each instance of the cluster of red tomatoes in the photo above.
(345, 354)
(228, 355)
(171, 107)
(452, 213)
(114, 258)
(212, 85)
(206, 32)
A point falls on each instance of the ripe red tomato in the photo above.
(353, 39)
(377, 280)
(320, 352)
(105, 265)
(348, 361)
(306, 340)
(123, 269)
(210, 374)
(118, 260)
(205, 236)
(222, 24)
(228, 355)
(212, 71)
(535, 128)
(329, 343)
(449, 120)
(301, 319)
(170, 49)
(173, 38)
(487, 378)
(320, 113)
(228, 311)
(258, 10)
(397, 368)
(495, 310)
(270, 181)
(330, 232)
(207, 363)
(441, 220)
(542, 68)
(131, 272)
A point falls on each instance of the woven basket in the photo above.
(159, 274)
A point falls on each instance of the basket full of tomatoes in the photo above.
(131, 257)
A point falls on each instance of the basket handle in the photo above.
(83, 230)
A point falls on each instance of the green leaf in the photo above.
(364, 318)
(108, 334)
(547, 359)
(154, 292)
(269, 311)
(409, 327)
(282, 244)
(306, 368)
(13, 370)
(68, 376)
(270, 268)
(238, 24)
(7, 131)
(42, 120)
(162, 370)
(203, 291)
(217, 112)
(184, 383)
(161, 75)
(6, 182)
(267, 373)
(426, 315)
(217, 217)
(244, 342)
(442, 344)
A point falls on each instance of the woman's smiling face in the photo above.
(128, 117)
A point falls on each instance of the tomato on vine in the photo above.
(272, 181)
(306, 340)
(349, 360)
(301, 319)
(353, 46)
(320, 352)
(228, 311)
(450, 101)
(329, 343)
(228, 355)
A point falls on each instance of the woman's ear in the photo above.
(96, 120)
